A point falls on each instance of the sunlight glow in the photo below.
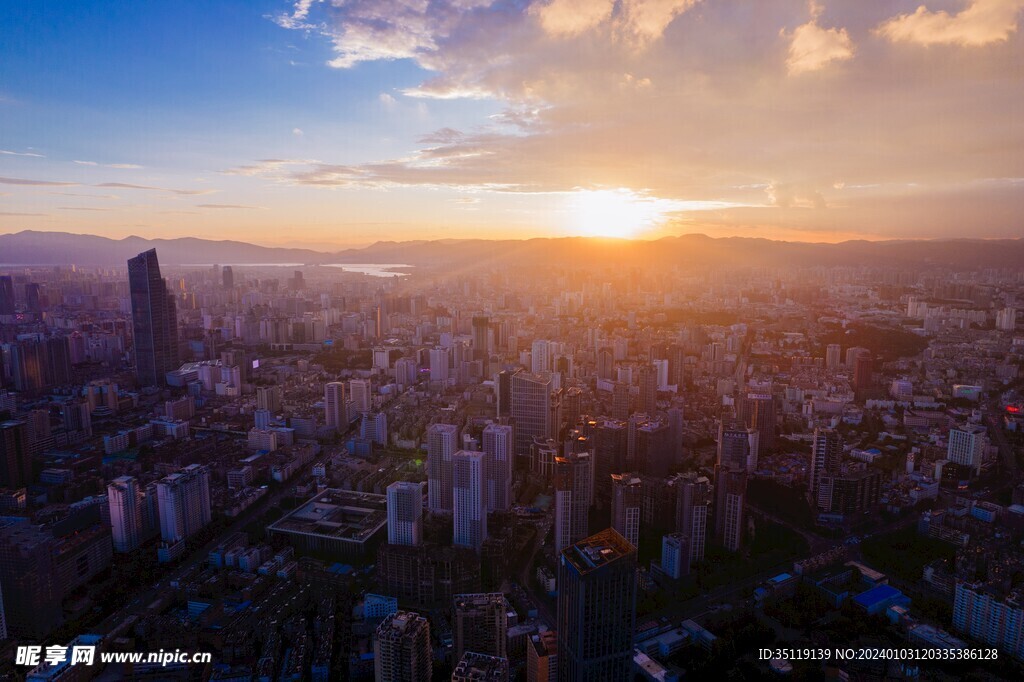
(624, 213)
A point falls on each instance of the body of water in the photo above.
(373, 269)
(241, 265)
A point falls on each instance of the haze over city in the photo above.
(348, 123)
(512, 340)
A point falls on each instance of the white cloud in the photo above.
(44, 183)
(180, 192)
(370, 30)
(297, 132)
(692, 101)
(10, 153)
(646, 20)
(267, 167)
(297, 19)
(793, 195)
(982, 22)
(572, 17)
(228, 206)
(108, 165)
(636, 21)
(812, 48)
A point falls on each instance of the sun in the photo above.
(620, 213)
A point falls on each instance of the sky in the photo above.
(335, 123)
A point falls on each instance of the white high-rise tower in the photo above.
(125, 501)
(334, 406)
(442, 442)
(497, 447)
(470, 500)
(405, 513)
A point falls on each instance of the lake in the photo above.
(372, 269)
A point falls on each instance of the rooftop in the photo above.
(598, 550)
(478, 599)
(474, 666)
(341, 514)
(875, 595)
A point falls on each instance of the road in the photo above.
(699, 605)
(529, 582)
(817, 543)
(150, 593)
(996, 435)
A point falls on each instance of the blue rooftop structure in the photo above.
(878, 599)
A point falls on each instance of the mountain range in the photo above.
(692, 250)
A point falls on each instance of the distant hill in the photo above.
(51, 248)
(694, 250)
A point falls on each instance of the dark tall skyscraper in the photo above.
(154, 320)
(730, 506)
(481, 330)
(31, 591)
(737, 446)
(626, 503)
(229, 277)
(596, 609)
(826, 459)
(504, 391)
(757, 411)
(620, 400)
(862, 372)
(40, 363)
(610, 449)
(32, 302)
(653, 452)
(606, 363)
(648, 403)
(15, 455)
(574, 494)
(692, 495)
(6, 295)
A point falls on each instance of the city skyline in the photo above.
(512, 340)
(362, 121)
(608, 439)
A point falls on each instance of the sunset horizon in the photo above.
(353, 122)
(512, 340)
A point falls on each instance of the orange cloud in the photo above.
(982, 22)
(702, 102)
(812, 47)
(572, 17)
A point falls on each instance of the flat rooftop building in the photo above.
(473, 667)
(340, 522)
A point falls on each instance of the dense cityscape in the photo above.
(512, 341)
(401, 472)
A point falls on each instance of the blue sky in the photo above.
(186, 90)
(178, 84)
